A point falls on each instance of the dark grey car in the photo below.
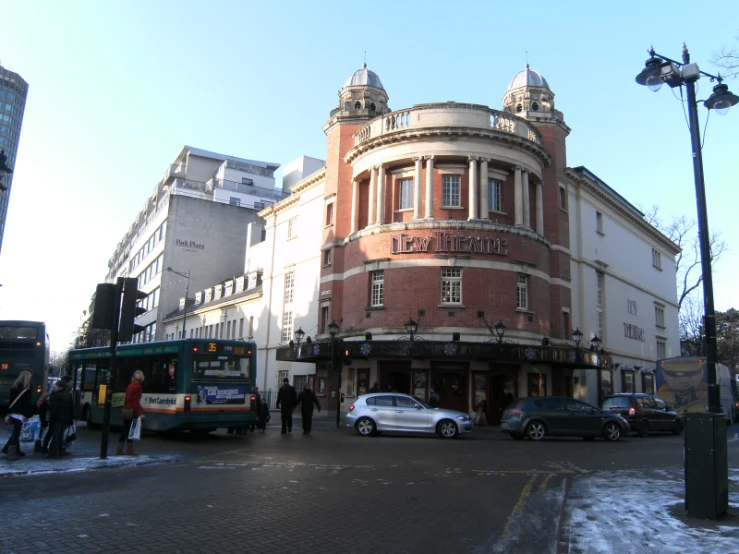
(645, 413)
(537, 417)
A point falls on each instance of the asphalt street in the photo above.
(332, 491)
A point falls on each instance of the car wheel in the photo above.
(447, 429)
(536, 430)
(366, 427)
(612, 432)
(644, 429)
(517, 436)
(677, 428)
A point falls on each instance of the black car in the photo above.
(645, 413)
(539, 416)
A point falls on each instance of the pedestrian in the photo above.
(264, 415)
(19, 410)
(307, 400)
(258, 404)
(60, 417)
(507, 398)
(43, 416)
(434, 399)
(287, 399)
(375, 387)
(131, 410)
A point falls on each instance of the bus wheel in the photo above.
(88, 419)
(201, 432)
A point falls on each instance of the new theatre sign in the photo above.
(447, 242)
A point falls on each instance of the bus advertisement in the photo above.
(192, 384)
(682, 382)
(23, 345)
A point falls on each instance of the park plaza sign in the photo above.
(447, 242)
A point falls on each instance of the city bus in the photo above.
(23, 345)
(682, 382)
(189, 385)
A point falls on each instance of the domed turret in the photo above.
(362, 96)
(528, 95)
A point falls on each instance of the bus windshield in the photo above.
(17, 333)
(220, 367)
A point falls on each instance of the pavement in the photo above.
(631, 511)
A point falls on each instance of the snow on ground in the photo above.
(38, 465)
(638, 512)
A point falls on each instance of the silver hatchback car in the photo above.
(389, 411)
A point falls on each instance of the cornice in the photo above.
(595, 189)
(447, 133)
(296, 190)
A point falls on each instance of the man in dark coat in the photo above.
(60, 408)
(287, 399)
(306, 400)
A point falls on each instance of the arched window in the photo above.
(357, 105)
(372, 107)
(535, 106)
(519, 108)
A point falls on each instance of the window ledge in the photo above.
(450, 305)
(451, 208)
(292, 237)
(601, 233)
(657, 267)
(525, 311)
(374, 308)
(563, 210)
(328, 226)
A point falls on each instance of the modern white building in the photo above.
(200, 220)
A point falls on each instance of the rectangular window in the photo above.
(661, 348)
(247, 181)
(599, 222)
(234, 201)
(566, 325)
(522, 293)
(656, 259)
(292, 227)
(406, 194)
(289, 287)
(228, 329)
(377, 295)
(287, 326)
(450, 188)
(659, 315)
(631, 307)
(599, 315)
(327, 257)
(563, 198)
(451, 285)
(251, 327)
(494, 196)
(627, 383)
(325, 312)
(241, 328)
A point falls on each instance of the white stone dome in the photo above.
(528, 77)
(364, 77)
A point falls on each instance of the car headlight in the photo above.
(463, 418)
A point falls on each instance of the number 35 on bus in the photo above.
(191, 384)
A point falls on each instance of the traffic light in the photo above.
(129, 310)
(104, 306)
(347, 358)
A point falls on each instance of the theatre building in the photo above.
(456, 254)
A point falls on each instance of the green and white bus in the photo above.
(24, 345)
(191, 384)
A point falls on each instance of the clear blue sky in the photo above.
(116, 90)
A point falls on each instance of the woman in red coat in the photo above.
(131, 410)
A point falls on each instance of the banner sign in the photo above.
(221, 394)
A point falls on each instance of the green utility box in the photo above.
(706, 465)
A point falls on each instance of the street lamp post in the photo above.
(187, 292)
(500, 330)
(658, 70)
(333, 328)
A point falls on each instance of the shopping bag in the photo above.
(135, 433)
(71, 433)
(30, 429)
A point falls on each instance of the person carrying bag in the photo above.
(20, 409)
(131, 412)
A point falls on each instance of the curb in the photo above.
(74, 464)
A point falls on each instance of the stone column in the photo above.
(355, 207)
(417, 188)
(540, 208)
(473, 184)
(526, 201)
(517, 201)
(429, 187)
(371, 200)
(484, 197)
(380, 195)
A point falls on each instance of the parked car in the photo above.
(378, 412)
(645, 413)
(559, 416)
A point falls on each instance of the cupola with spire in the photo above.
(362, 96)
(529, 96)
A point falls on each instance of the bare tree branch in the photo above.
(728, 60)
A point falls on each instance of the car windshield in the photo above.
(616, 402)
(421, 402)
